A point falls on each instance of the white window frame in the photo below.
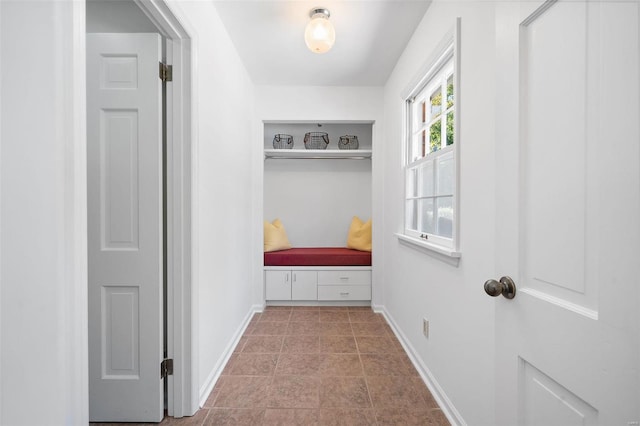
(434, 73)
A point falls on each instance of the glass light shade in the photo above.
(319, 34)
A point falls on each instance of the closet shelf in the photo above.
(354, 154)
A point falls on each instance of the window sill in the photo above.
(432, 248)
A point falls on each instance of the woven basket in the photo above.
(316, 140)
(348, 142)
(282, 141)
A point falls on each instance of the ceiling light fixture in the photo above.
(319, 34)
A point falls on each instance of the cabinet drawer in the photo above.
(344, 292)
(344, 277)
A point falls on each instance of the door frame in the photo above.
(182, 397)
(182, 386)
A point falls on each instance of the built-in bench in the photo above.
(318, 274)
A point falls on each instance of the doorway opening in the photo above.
(180, 389)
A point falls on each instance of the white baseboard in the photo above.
(214, 375)
(436, 390)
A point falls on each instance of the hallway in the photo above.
(327, 366)
(318, 366)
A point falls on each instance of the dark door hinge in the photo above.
(166, 368)
(166, 72)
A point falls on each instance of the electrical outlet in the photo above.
(425, 327)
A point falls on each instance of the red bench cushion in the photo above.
(318, 256)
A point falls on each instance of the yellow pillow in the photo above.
(275, 237)
(359, 237)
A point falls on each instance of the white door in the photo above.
(568, 213)
(124, 157)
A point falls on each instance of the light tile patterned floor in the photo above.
(318, 366)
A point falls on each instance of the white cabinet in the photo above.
(344, 285)
(291, 285)
(309, 284)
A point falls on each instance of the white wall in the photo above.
(328, 104)
(222, 173)
(459, 352)
(318, 103)
(316, 199)
(117, 16)
(43, 301)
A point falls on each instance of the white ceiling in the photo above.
(370, 36)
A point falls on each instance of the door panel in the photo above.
(546, 402)
(554, 146)
(119, 181)
(124, 185)
(120, 320)
(567, 346)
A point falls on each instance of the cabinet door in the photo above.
(304, 285)
(277, 285)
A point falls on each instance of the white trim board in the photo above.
(78, 270)
(181, 321)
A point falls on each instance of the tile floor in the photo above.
(318, 366)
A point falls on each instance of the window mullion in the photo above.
(443, 117)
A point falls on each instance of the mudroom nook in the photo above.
(317, 186)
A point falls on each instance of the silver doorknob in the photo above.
(505, 287)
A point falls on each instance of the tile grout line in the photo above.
(366, 380)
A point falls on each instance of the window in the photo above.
(431, 160)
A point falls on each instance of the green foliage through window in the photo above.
(435, 129)
(435, 136)
(450, 128)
